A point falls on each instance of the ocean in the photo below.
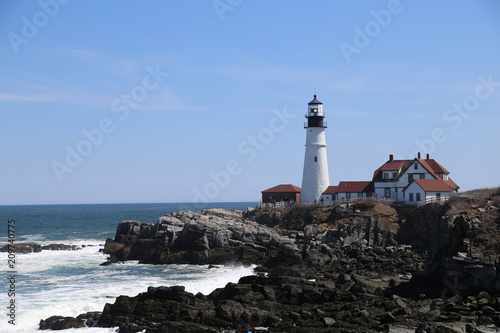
(69, 283)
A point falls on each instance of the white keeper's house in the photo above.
(411, 181)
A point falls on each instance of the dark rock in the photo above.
(212, 236)
(22, 248)
(344, 273)
(61, 247)
(388, 318)
(55, 323)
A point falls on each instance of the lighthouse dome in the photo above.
(314, 101)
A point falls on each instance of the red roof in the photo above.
(451, 184)
(283, 188)
(395, 165)
(355, 186)
(433, 167)
(331, 190)
(438, 168)
(434, 185)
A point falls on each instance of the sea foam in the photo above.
(69, 283)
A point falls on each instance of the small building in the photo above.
(393, 178)
(281, 193)
(329, 195)
(355, 189)
(428, 190)
(348, 190)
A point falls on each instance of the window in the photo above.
(271, 197)
(411, 197)
(394, 175)
(410, 178)
(315, 158)
(415, 166)
(387, 192)
(422, 175)
(385, 175)
(360, 195)
(348, 195)
(418, 196)
(438, 196)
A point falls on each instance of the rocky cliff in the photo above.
(212, 236)
(363, 267)
(218, 236)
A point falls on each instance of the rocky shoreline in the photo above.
(320, 269)
(24, 248)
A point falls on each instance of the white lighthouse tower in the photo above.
(315, 178)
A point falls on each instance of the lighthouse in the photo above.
(315, 178)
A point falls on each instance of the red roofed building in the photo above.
(348, 190)
(283, 192)
(329, 195)
(393, 179)
(428, 190)
(410, 181)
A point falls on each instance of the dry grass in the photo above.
(458, 204)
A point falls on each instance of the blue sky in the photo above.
(192, 101)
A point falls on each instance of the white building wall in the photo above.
(414, 188)
(401, 183)
(380, 190)
(327, 199)
(315, 178)
(432, 196)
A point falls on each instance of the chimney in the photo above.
(391, 157)
(428, 157)
(419, 156)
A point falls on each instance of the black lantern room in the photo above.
(315, 114)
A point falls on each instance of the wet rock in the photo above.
(88, 319)
(22, 248)
(61, 247)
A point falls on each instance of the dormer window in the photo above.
(443, 176)
(389, 175)
(415, 166)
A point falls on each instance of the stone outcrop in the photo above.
(349, 294)
(23, 248)
(217, 236)
(57, 323)
(326, 270)
(462, 246)
(213, 236)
